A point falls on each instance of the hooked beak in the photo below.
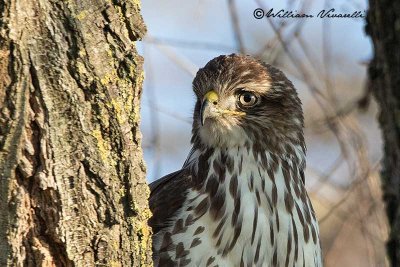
(207, 105)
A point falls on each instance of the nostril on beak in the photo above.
(215, 103)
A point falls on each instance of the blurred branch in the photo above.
(187, 44)
(351, 188)
(169, 113)
(179, 60)
(236, 26)
(327, 57)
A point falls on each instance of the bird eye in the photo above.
(247, 99)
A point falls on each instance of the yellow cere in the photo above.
(211, 96)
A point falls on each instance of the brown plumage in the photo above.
(239, 199)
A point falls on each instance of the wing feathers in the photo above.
(167, 197)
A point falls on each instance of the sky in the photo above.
(183, 36)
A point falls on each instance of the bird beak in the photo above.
(209, 101)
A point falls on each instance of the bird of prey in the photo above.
(240, 198)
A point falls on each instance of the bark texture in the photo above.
(383, 26)
(72, 183)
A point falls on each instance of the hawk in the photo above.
(240, 198)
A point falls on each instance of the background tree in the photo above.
(383, 27)
(72, 184)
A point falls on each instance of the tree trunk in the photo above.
(384, 72)
(72, 183)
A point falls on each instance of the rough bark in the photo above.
(383, 26)
(72, 184)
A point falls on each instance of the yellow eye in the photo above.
(247, 99)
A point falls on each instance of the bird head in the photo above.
(244, 102)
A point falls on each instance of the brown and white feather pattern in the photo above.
(237, 204)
